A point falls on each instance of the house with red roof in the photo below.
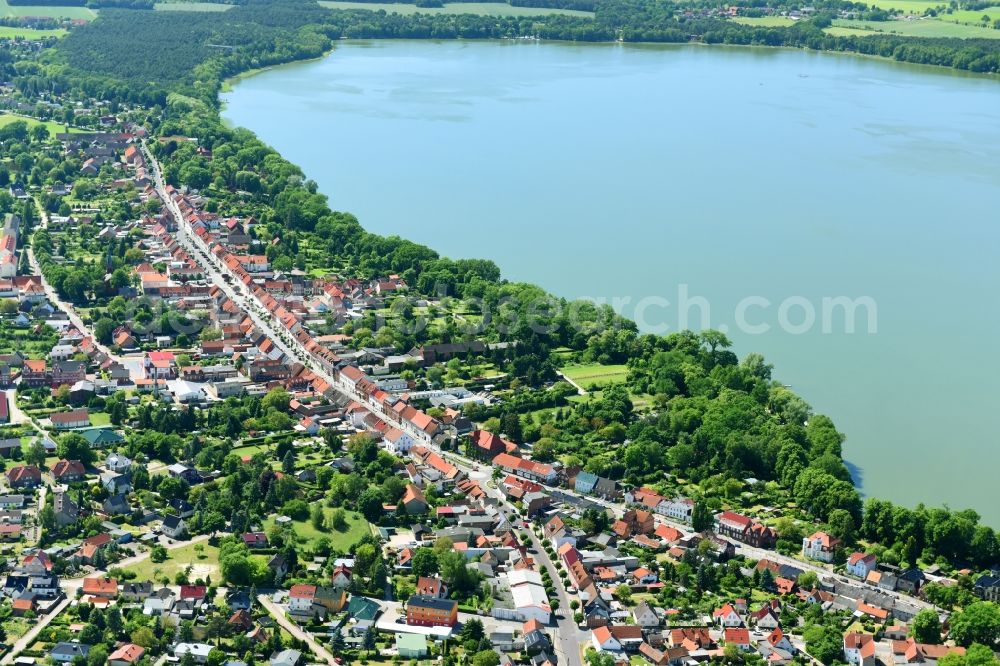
(860, 564)
(66, 471)
(24, 476)
(432, 587)
(738, 636)
(106, 588)
(745, 529)
(859, 649)
(128, 654)
(529, 469)
(726, 616)
(820, 546)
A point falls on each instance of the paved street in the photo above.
(295, 630)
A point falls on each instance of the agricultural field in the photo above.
(11, 32)
(972, 17)
(84, 13)
(837, 31)
(307, 534)
(477, 8)
(595, 375)
(765, 21)
(202, 558)
(908, 6)
(191, 7)
(921, 28)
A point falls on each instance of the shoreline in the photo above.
(229, 82)
(852, 464)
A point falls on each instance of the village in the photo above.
(205, 469)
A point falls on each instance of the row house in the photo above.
(745, 530)
(528, 469)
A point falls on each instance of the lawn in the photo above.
(595, 374)
(201, 557)
(250, 450)
(766, 21)
(50, 12)
(100, 419)
(191, 7)
(357, 527)
(478, 8)
(922, 28)
(54, 127)
(11, 32)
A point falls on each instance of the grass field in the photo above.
(921, 28)
(969, 16)
(191, 7)
(910, 6)
(100, 419)
(201, 557)
(54, 127)
(848, 32)
(766, 21)
(595, 374)
(51, 12)
(10, 32)
(357, 527)
(478, 8)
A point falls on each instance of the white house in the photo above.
(300, 599)
(820, 546)
(159, 602)
(174, 526)
(199, 651)
(727, 616)
(604, 640)
(860, 564)
(397, 441)
(859, 649)
(679, 508)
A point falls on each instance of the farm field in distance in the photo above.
(478, 8)
(928, 27)
(9, 11)
(191, 7)
(12, 32)
(766, 21)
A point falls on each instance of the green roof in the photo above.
(101, 436)
(411, 642)
(361, 608)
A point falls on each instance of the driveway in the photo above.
(295, 630)
(24, 641)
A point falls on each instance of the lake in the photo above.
(730, 186)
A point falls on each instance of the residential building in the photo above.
(820, 546)
(860, 564)
(78, 418)
(745, 529)
(431, 612)
(859, 649)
